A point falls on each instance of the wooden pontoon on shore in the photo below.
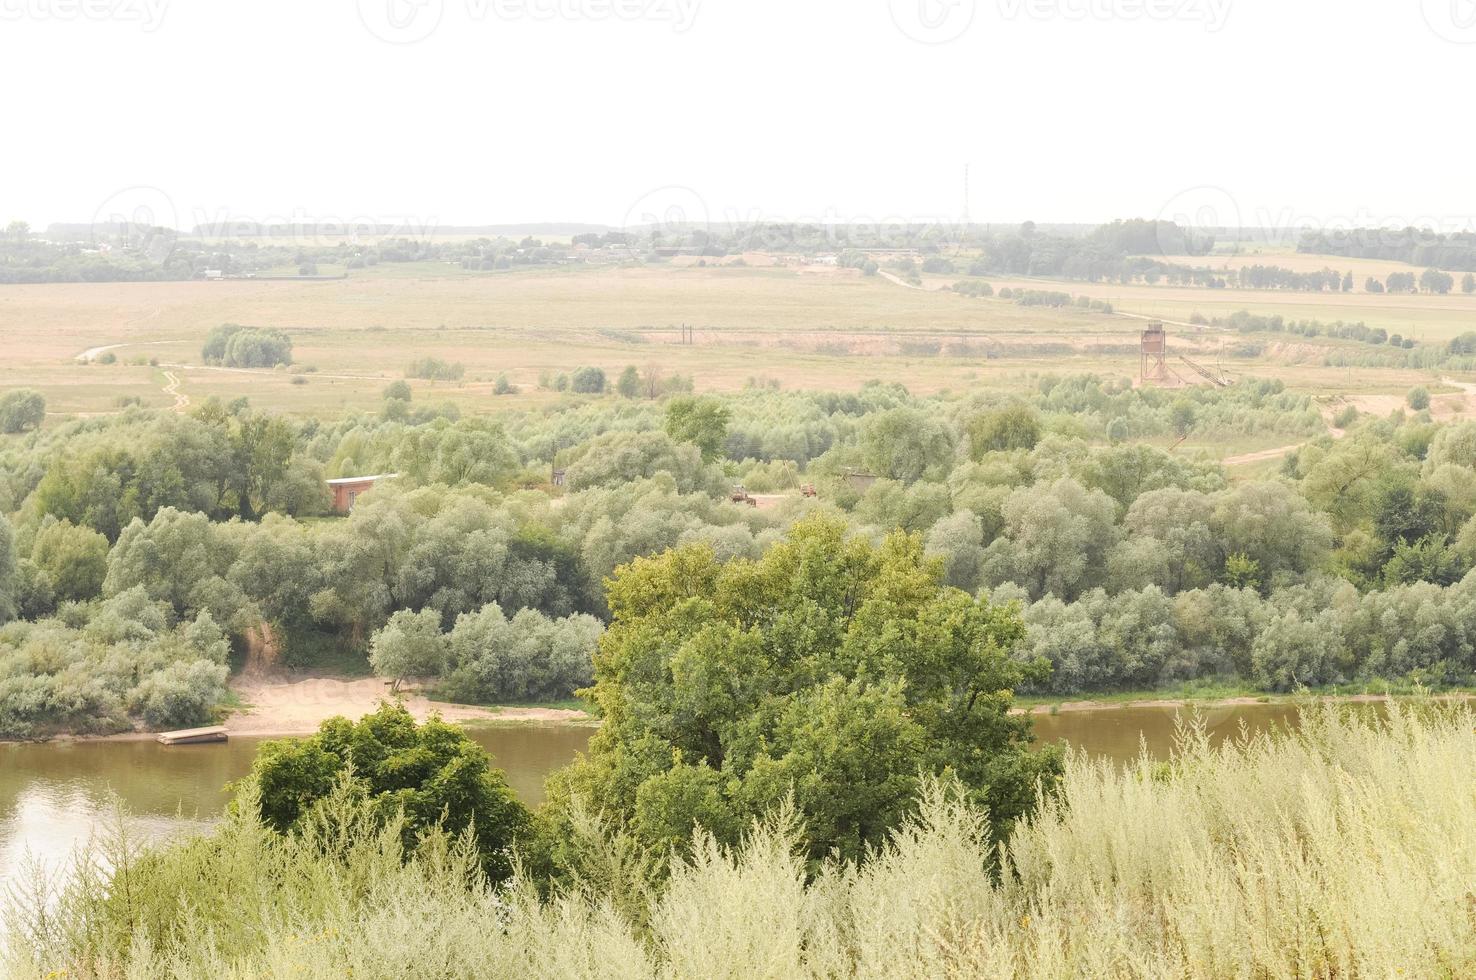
(193, 736)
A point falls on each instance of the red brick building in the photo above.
(346, 489)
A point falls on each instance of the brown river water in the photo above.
(54, 795)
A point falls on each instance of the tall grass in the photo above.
(1347, 849)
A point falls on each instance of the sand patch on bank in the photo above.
(283, 706)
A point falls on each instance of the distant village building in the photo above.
(346, 490)
(214, 274)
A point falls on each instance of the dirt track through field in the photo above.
(181, 400)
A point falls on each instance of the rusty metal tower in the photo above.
(1153, 366)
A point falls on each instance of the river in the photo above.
(54, 795)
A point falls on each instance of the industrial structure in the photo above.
(1153, 366)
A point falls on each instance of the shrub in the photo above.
(588, 381)
(435, 369)
(1418, 398)
(413, 777)
(21, 409)
(529, 657)
(233, 345)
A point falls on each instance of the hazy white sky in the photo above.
(498, 111)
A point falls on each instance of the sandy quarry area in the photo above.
(277, 705)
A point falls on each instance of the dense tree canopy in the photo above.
(831, 670)
(432, 773)
(1055, 494)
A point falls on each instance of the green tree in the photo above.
(21, 409)
(1014, 426)
(409, 645)
(629, 383)
(75, 559)
(1242, 571)
(1468, 283)
(1181, 416)
(831, 672)
(398, 389)
(907, 444)
(700, 421)
(9, 578)
(1056, 540)
(1435, 281)
(178, 558)
(1418, 398)
(588, 381)
(233, 345)
(433, 773)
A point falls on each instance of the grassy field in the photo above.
(830, 329)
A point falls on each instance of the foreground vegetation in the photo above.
(1345, 849)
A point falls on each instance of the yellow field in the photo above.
(807, 329)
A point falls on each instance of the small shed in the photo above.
(346, 489)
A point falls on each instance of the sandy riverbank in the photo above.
(282, 706)
(275, 706)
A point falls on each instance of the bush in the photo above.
(434, 369)
(1418, 398)
(21, 409)
(588, 381)
(233, 345)
(413, 777)
(529, 657)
